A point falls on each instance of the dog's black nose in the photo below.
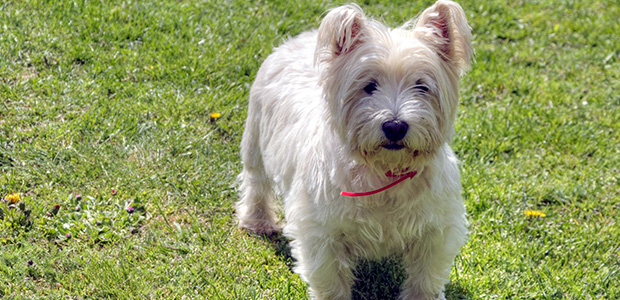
(395, 130)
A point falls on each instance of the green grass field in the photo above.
(126, 184)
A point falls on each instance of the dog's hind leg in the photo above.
(256, 208)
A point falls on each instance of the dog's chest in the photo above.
(383, 230)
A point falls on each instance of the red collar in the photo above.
(400, 179)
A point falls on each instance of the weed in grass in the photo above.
(94, 219)
(14, 218)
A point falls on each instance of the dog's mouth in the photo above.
(393, 146)
(394, 160)
(398, 172)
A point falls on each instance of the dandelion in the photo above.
(535, 214)
(13, 198)
(214, 116)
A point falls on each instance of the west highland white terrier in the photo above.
(350, 124)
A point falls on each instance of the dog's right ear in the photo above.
(341, 31)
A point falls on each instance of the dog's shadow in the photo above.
(374, 279)
(281, 246)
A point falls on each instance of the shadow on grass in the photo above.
(454, 291)
(281, 246)
(378, 279)
(374, 279)
(382, 280)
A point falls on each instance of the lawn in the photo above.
(118, 182)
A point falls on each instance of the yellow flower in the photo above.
(535, 214)
(215, 115)
(13, 198)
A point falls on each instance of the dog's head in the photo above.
(393, 93)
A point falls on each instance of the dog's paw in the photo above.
(409, 295)
(261, 227)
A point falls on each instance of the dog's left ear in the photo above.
(341, 31)
(445, 27)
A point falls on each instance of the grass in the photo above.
(127, 184)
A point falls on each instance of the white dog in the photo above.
(356, 106)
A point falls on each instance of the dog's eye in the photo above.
(370, 87)
(421, 86)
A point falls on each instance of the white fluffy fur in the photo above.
(312, 131)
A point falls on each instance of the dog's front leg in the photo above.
(323, 263)
(428, 262)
